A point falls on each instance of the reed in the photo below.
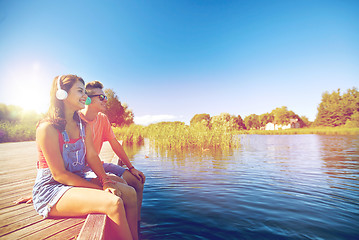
(179, 136)
(132, 134)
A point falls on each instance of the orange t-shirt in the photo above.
(101, 129)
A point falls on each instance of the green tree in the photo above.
(265, 118)
(10, 113)
(240, 123)
(336, 109)
(202, 118)
(224, 122)
(252, 121)
(128, 115)
(305, 121)
(118, 114)
(282, 115)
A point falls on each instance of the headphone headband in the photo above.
(60, 93)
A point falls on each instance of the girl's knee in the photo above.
(115, 205)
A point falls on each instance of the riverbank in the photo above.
(294, 131)
(174, 134)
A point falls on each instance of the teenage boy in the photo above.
(102, 132)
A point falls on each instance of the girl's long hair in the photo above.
(56, 113)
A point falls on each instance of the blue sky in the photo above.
(169, 60)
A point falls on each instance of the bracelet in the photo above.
(105, 180)
(129, 169)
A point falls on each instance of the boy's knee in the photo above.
(132, 192)
(130, 195)
(137, 184)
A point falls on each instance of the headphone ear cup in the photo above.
(61, 94)
(88, 101)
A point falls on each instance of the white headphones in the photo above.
(60, 93)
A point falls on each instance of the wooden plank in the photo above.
(63, 229)
(94, 227)
(17, 176)
(30, 229)
(69, 233)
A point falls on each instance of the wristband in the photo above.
(105, 180)
(129, 169)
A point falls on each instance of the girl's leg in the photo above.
(79, 201)
(138, 186)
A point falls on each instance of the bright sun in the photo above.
(28, 89)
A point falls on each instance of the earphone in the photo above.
(60, 93)
(88, 101)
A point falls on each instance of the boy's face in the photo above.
(96, 103)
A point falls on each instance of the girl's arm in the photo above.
(48, 139)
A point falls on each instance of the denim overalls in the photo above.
(47, 191)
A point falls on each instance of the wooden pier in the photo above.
(17, 176)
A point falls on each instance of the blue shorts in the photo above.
(114, 169)
(109, 168)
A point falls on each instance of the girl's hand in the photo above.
(111, 187)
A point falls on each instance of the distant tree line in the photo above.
(228, 122)
(334, 110)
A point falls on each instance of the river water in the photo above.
(272, 187)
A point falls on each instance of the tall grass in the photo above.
(17, 131)
(132, 134)
(179, 136)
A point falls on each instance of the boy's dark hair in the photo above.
(94, 84)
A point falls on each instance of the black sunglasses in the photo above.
(101, 96)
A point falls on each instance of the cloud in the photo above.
(148, 119)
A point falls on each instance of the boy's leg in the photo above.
(114, 169)
(138, 186)
(130, 179)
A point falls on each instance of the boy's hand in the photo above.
(138, 174)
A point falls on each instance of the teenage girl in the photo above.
(65, 145)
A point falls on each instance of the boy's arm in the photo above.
(120, 152)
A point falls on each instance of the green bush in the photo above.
(17, 131)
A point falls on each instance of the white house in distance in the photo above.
(293, 123)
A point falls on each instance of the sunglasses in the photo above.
(101, 97)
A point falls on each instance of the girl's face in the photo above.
(76, 97)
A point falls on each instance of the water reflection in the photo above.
(271, 187)
(340, 155)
